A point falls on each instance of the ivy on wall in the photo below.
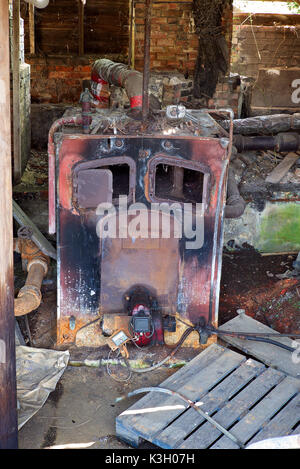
(213, 53)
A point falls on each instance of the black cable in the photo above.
(213, 330)
(259, 337)
(270, 341)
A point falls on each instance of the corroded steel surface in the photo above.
(93, 276)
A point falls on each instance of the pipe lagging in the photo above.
(119, 74)
(29, 297)
(235, 204)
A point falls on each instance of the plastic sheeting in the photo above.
(38, 371)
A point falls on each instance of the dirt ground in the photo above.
(82, 410)
(249, 281)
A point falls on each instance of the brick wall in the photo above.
(255, 47)
(59, 79)
(228, 94)
(174, 43)
(268, 50)
(174, 46)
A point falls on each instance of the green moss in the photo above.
(280, 229)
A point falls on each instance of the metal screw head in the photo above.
(119, 143)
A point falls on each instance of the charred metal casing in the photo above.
(95, 273)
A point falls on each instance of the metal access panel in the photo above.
(95, 272)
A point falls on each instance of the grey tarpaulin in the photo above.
(38, 371)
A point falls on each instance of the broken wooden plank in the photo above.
(150, 415)
(270, 354)
(252, 402)
(282, 168)
(282, 423)
(37, 237)
(254, 421)
(206, 435)
(176, 432)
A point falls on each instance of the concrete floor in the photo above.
(82, 410)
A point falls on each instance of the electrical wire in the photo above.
(184, 336)
(253, 334)
(109, 372)
(259, 337)
(162, 362)
(270, 341)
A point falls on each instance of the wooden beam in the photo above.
(31, 29)
(8, 413)
(16, 91)
(81, 26)
(131, 49)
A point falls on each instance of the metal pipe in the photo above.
(235, 204)
(264, 125)
(147, 34)
(73, 120)
(216, 246)
(283, 141)
(29, 296)
(8, 400)
(190, 403)
(119, 74)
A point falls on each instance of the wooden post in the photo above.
(16, 90)
(81, 26)
(8, 414)
(31, 29)
(131, 49)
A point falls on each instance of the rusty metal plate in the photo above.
(93, 275)
(93, 187)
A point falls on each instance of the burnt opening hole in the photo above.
(178, 183)
(120, 178)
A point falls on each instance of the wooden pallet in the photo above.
(250, 400)
(271, 355)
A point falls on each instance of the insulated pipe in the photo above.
(281, 142)
(29, 296)
(119, 74)
(264, 125)
(235, 204)
(73, 120)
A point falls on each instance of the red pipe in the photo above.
(73, 120)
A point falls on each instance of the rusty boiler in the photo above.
(138, 209)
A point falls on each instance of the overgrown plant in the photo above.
(213, 55)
